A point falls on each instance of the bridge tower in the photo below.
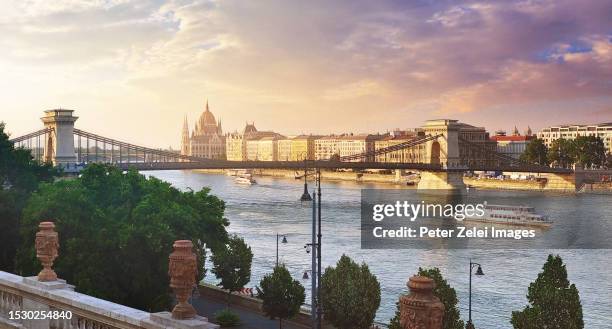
(444, 151)
(59, 146)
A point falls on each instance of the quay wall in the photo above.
(504, 184)
(336, 175)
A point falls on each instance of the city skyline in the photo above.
(134, 69)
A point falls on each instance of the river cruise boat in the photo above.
(245, 179)
(511, 215)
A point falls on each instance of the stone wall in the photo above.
(504, 184)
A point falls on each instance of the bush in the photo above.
(226, 318)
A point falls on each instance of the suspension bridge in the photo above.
(442, 167)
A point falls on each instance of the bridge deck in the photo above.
(300, 165)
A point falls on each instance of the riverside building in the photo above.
(513, 145)
(602, 130)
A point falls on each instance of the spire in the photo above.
(185, 141)
(185, 125)
(207, 105)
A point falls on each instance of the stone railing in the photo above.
(45, 302)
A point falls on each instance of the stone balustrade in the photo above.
(28, 294)
(46, 302)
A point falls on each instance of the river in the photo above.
(260, 211)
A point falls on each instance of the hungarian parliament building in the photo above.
(206, 140)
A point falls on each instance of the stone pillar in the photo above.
(47, 244)
(421, 309)
(183, 271)
(59, 146)
(444, 151)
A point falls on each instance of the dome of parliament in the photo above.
(207, 124)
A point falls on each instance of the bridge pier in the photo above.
(445, 151)
(59, 146)
(447, 182)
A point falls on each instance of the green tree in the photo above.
(562, 152)
(590, 151)
(448, 297)
(394, 323)
(20, 175)
(446, 294)
(350, 295)
(282, 295)
(232, 265)
(116, 231)
(554, 303)
(535, 153)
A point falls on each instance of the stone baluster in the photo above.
(182, 271)
(47, 244)
(421, 309)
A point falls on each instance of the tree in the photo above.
(554, 303)
(562, 152)
(590, 151)
(20, 175)
(535, 153)
(232, 265)
(394, 323)
(282, 295)
(116, 231)
(350, 295)
(448, 297)
(446, 294)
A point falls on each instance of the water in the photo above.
(260, 211)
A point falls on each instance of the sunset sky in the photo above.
(133, 69)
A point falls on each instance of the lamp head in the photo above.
(305, 276)
(479, 271)
(284, 239)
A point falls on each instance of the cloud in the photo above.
(284, 61)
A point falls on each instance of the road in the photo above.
(207, 307)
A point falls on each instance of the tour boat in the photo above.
(511, 215)
(245, 179)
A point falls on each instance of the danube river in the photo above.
(260, 211)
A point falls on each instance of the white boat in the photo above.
(245, 179)
(511, 215)
(236, 172)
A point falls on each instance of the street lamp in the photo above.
(305, 196)
(479, 272)
(283, 241)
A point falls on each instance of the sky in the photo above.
(133, 69)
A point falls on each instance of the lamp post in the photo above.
(479, 272)
(284, 241)
(305, 196)
(319, 309)
(315, 248)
